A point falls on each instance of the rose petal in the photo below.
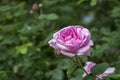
(107, 72)
(83, 50)
(78, 30)
(56, 35)
(85, 31)
(91, 43)
(52, 43)
(88, 67)
(61, 47)
(110, 70)
(85, 53)
(67, 53)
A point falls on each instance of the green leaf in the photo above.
(80, 1)
(57, 75)
(52, 16)
(106, 78)
(43, 16)
(99, 68)
(93, 2)
(1, 37)
(29, 44)
(3, 75)
(23, 48)
(16, 68)
(71, 69)
(64, 64)
(90, 77)
(77, 75)
(115, 76)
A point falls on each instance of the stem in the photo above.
(80, 64)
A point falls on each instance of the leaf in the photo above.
(1, 37)
(77, 75)
(23, 48)
(43, 16)
(99, 68)
(93, 2)
(90, 77)
(52, 16)
(57, 75)
(115, 12)
(80, 1)
(71, 69)
(3, 75)
(106, 78)
(64, 64)
(16, 68)
(29, 44)
(115, 76)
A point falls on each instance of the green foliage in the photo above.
(89, 77)
(58, 75)
(23, 49)
(115, 76)
(71, 69)
(51, 16)
(93, 2)
(24, 35)
(3, 75)
(77, 75)
(80, 1)
(99, 69)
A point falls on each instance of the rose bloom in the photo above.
(72, 40)
(107, 72)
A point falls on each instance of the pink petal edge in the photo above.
(67, 53)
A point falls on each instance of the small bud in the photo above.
(35, 6)
(31, 11)
(40, 5)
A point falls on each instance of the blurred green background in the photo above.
(26, 26)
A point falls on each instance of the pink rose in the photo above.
(107, 72)
(72, 40)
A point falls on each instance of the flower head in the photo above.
(72, 40)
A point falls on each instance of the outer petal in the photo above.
(52, 43)
(88, 67)
(85, 50)
(110, 70)
(66, 46)
(91, 43)
(107, 72)
(87, 53)
(67, 53)
(61, 47)
(56, 35)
